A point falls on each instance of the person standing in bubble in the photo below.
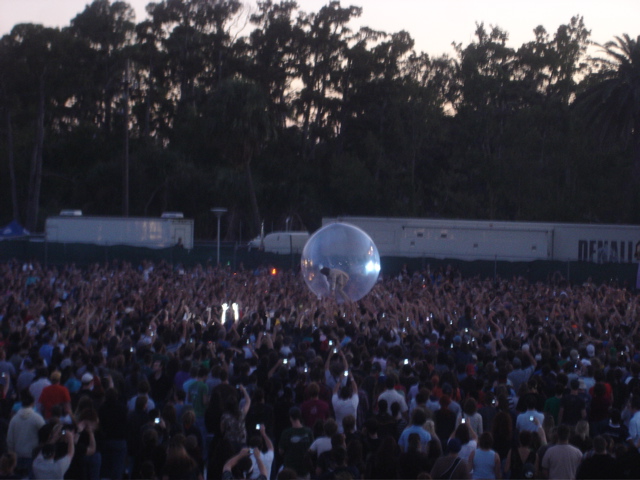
(337, 280)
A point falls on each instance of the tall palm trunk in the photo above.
(12, 169)
(255, 210)
(35, 174)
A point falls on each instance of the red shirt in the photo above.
(51, 396)
(312, 410)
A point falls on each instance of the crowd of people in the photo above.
(156, 371)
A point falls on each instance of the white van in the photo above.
(281, 242)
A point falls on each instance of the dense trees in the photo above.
(284, 114)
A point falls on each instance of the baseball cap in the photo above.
(87, 377)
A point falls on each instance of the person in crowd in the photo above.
(600, 464)
(418, 419)
(451, 465)
(314, 409)
(561, 460)
(294, 443)
(468, 439)
(54, 394)
(113, 423)
(263, 443)
(22, 435)
(485, 462)
(522, 461)
(46, 466)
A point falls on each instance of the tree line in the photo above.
(286, 116)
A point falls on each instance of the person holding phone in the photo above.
(345, 400)
(260, 441)
(530, 420)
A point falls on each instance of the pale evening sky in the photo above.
(433, 24)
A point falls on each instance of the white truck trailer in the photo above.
(151, 232)
(281, 242)
(508, 241)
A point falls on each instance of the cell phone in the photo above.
(335, 350)
(406, 361)
(285, 361)
(63, 432)
(346, 373)
(531, 418)
(330, 342)
(156, 420)
(464, 420)
(257, 426)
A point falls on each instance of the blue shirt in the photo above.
(425, 437)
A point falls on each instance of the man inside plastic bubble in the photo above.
(337, 281)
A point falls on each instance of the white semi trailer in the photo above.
(151, 232)
(509, 241)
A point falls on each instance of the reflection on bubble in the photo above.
(344, 247)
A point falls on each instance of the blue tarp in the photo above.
(13, 230)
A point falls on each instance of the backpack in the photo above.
(528, 470)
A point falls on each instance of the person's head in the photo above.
(454, 445)
(188, 418)
(349, 423)
(413, 442)
(524, 438)
(390, 382)
(462, 433)
(287, 474)
(371, 426)
(582, 428)
(26, 398)
(470, 407)
(313, 389)
(600, 444)
(330, 427)
(485, 441)
(563, 432)
(295, 415)
(55, 377)
(418, 416)
(346, 392)
(615, 416)
(574, 385)
(141, 403)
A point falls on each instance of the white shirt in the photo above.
(342, 408)
(267, 461)
(524, 422)
(393, 396)
(634, 428)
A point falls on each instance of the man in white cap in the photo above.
(87, 389)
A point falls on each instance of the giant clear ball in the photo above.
(344, 247)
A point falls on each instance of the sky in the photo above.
(433, 24)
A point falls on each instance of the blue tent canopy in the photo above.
(13, 230)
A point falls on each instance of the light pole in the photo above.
(219, 211)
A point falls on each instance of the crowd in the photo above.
(157, 371)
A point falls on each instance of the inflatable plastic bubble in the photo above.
(343, 247)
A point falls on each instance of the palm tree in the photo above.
(243, 124)
(611, 104)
